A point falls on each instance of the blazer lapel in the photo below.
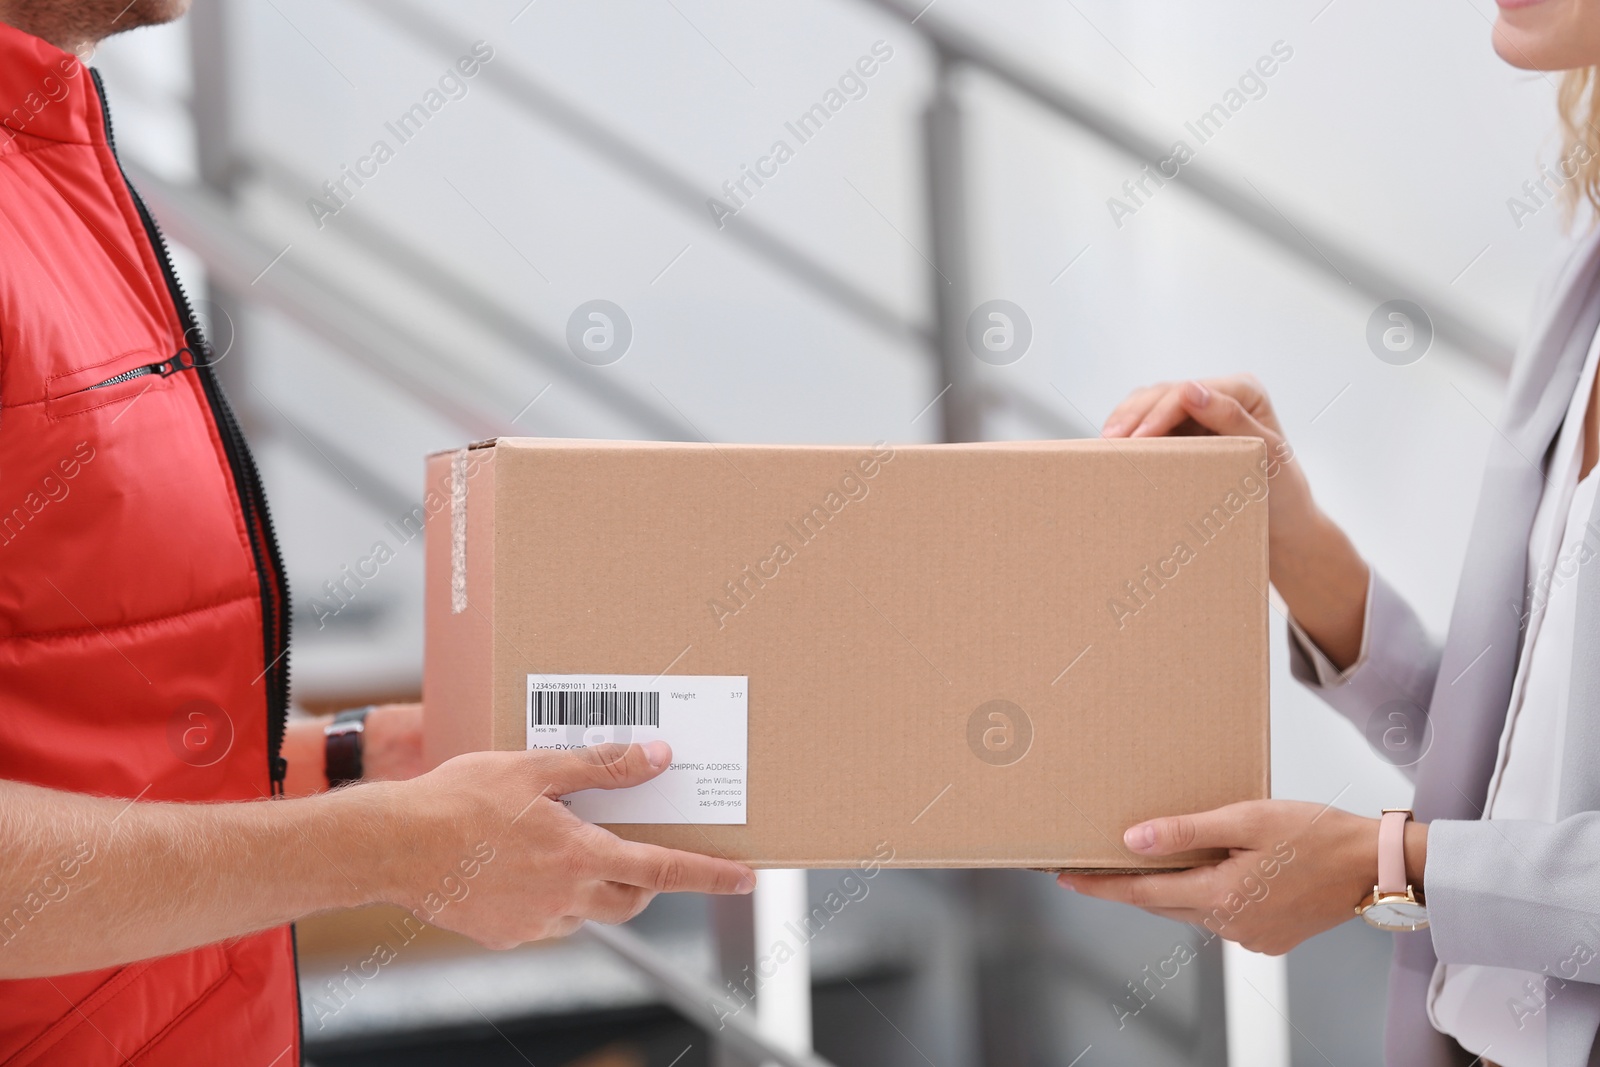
(1580, 770)
(1479, 663)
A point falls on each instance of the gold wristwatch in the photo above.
(1394, 904)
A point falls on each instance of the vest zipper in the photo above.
(165, 368)
(246, 481)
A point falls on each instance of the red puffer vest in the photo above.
(142, 628)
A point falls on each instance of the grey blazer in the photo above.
(1500, 893)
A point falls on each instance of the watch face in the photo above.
(1397, 914)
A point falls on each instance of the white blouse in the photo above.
(1496, 1012)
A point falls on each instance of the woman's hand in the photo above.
(1293, 870)
(1313, 564)
(1236, 406)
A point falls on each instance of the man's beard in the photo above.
(80, 24)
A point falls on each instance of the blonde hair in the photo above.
(1579, 105)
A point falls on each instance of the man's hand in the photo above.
(391, 749)
(480, 845)
(1293, 871)
(488, 850)
(391, 743)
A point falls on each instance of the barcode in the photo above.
(550, 708)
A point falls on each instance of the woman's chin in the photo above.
(1534, 51)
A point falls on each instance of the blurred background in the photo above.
(376, 304)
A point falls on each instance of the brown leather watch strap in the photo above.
(342, 744)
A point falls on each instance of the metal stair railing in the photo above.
(1239, 200)
(697, 1001)
(957, 50)
(675, 188)
(688, 197)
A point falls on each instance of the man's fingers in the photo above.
(564, 927)
(1229, 827)
(1178, 890)
(612, 902)
(605, 766)
(666, 870)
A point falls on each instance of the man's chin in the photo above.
(147, 13)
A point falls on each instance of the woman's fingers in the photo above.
(1233, 406)
(1178, 915)
(1133, 409)
(1192, 916)
(1184, 890)
(1220, 412)
(1165, 415)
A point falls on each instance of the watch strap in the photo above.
(1392, 851)
(342, 745)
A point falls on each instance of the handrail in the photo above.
(199, 220)
(681, 191)
(461, 294)
(396, 251)
(685, 194)
(697, 1001)
(1327, 254)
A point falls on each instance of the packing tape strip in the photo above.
(458, 532)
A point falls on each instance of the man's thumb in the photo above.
(609, 766)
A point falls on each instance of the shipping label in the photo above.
(705, 718)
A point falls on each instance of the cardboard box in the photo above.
(987, 655)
